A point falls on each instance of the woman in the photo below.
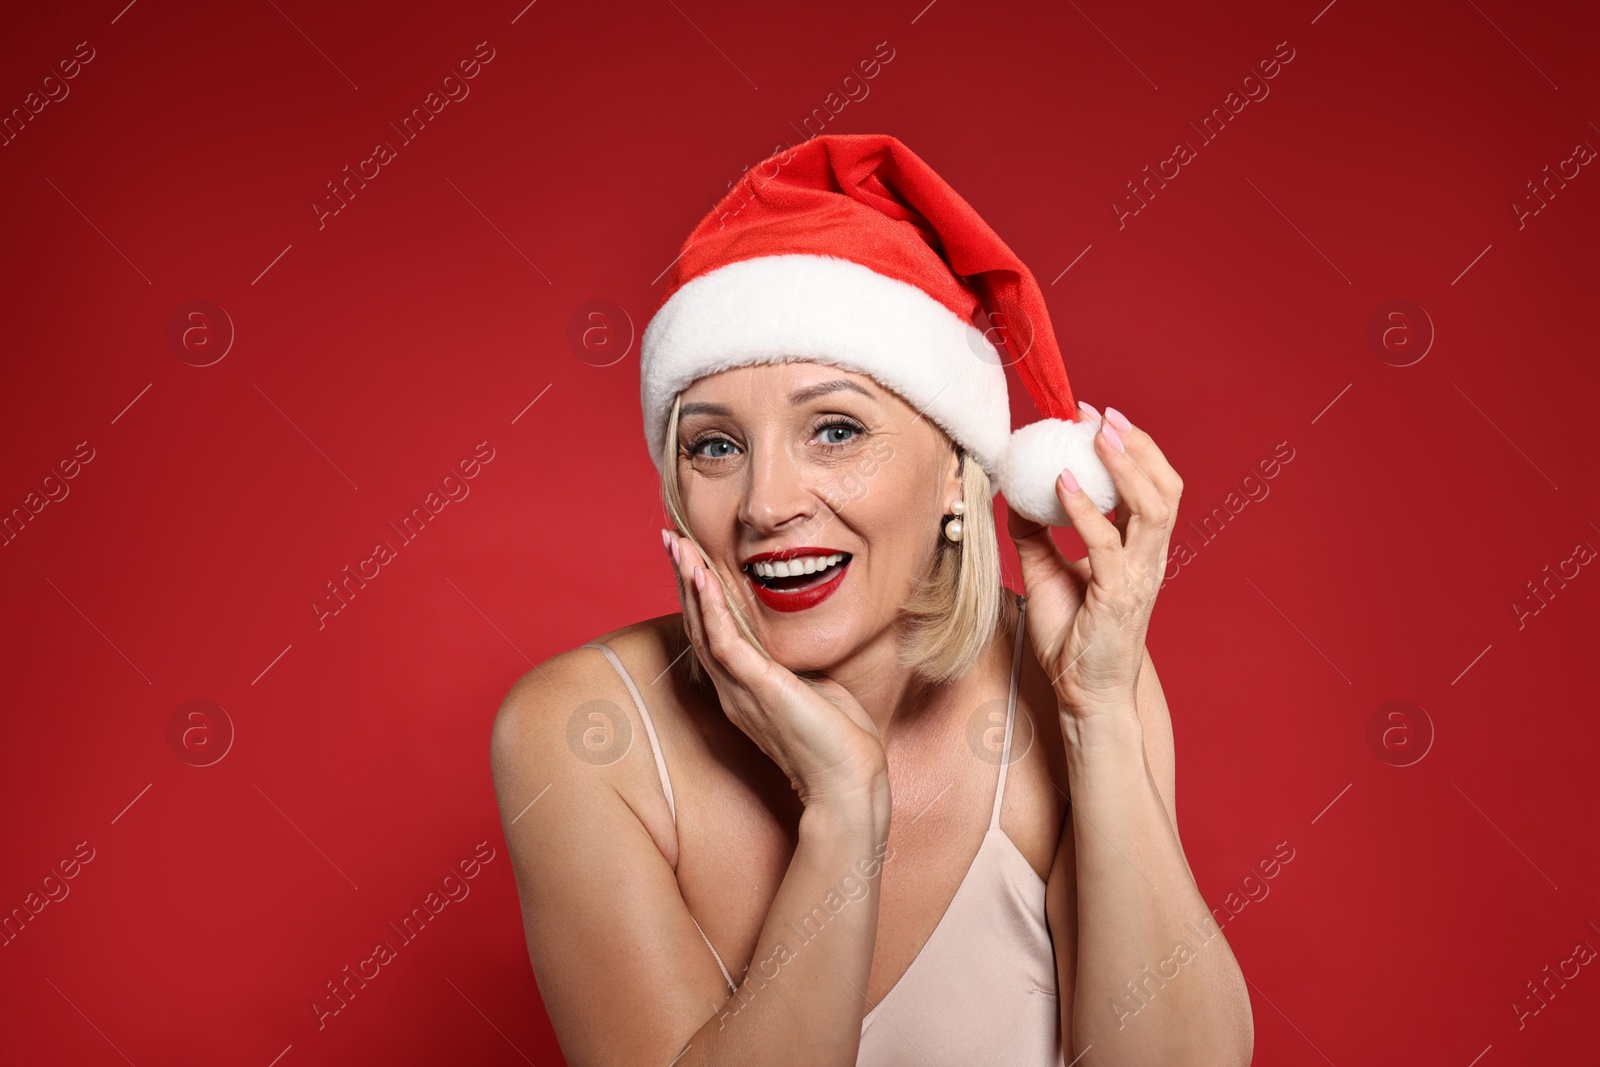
(845, 838)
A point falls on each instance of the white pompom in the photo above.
(1037, 454)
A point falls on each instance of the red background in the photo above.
(370, 355)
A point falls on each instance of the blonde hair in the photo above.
(955, 607)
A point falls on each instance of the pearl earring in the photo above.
(953, 528)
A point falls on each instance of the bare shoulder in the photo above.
(538, 701)
(573, 718)
(593, 848)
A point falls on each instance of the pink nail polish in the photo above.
(699, 578)
(1094, 416)
(1069, 481)
(1111, 435)
(1118, 419)
(676, 556)
(666, 542)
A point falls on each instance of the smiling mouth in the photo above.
(795, 583)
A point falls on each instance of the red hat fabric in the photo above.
(850, 250)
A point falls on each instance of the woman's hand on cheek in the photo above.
(815, 731)
(1088, 619)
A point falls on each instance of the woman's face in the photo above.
(806, 456)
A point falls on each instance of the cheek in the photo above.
(897, 523)
(711, 510)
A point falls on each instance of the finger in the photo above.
(1053, 585)
(1154, 466)
(1099, 536)
(1142, 447)
(1033, 540)
(728, 646)
(693, 622)
(719, 652)
(1040, 558)
(1143, 519)
(1118, 517)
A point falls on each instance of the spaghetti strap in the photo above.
(649, 726)
(666, 783)
(732, 986)
(1011, 711)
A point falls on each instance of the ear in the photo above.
(952, 481)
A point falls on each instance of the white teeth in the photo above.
(790, 568)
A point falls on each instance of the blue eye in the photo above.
(698, 449)
(851, 427)
(702, 449)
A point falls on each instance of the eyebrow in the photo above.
(802, 396)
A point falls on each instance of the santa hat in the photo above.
(849, 250)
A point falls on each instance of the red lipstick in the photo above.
(799, 600)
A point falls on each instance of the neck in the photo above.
(886, 691)
(894, 696)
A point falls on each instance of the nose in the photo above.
(776, 497)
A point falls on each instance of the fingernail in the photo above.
(1118, 419)
(666, 542)
(1069, 481)
(676, 556)
(1111, 435)
(1094, 416)
(699, 578)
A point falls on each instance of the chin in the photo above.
(801, 644)
(808, 663)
